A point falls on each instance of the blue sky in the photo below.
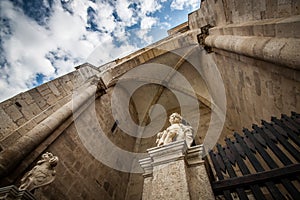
(43, 39)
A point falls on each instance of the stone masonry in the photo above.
(255, 51)
(173, 171)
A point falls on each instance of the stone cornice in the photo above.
(169, 153)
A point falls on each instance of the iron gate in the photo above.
(260, 164)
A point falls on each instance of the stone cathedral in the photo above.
(209, 112)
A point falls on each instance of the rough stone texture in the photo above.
(256, 90)
(22, 112)
(147, 188)
(79, 174)
(6, 123)
(199, 182)
(13, 155)
(218, 12)
(168, 167)
(165, 184)
(135, 187)
(255, 46)
(12, 193)
(174, 172)
(260, 74)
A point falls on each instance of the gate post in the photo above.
(173, 171)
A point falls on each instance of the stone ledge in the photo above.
(146, 165)
(169, 153)
(194, 155)
(279, 27)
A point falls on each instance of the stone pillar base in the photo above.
(175, 172)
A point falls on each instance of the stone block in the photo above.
(30, 111)
(69, 142)
(295, 7)
(53, 88)
(246, 30)
(269, 30)
(141, 59)
(13, 112)
(77, 166)
(26, 127)
(42, 88)
(10, 139)
(21, 121)
(67, 86)
(6, 123)
(39, 100)
(271, 9)
(45, 92)
(170, 163)
(76, 188)
(227, 31)
(50, 98)
(6, 103)
(284, 8)
(198, 176)
(150, 54)
(27, 97)
(158, 51)
(296, 28)
(281, 30)
(40, 117)
(288, 27)
(258, 30)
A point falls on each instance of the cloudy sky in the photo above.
(43, 39)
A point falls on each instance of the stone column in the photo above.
(175, 172)
(13, 155)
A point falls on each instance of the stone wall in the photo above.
(82, 176)
(257, 90)
(79, 174)
(223, 12)
(255, 48)
(21, 113)
(260, 81)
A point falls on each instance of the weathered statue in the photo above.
(177, 131)
(41, 174)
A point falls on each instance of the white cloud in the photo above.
(148, 6)
(51, 50)
(182, 4)
(143, 34)
(104, 17)
(63, 41)
(148, 22)
(125, 13)
(23, 52)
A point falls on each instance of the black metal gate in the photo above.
(260, 164)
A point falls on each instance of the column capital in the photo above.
(95, 80)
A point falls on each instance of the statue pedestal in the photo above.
(173, 171)
(13, 193)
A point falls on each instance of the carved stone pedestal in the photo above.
(173, 171)
(13, 193)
